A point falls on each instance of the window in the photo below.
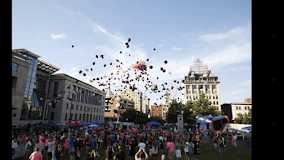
(65, 116)
(206, 88)
(66, 106)
(72, 106)
(15, 67)
(75, 116)
(217, 102)
(77, 107)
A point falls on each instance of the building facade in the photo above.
(135, 96)
(114, 105)
(20, 67)
(201, 80)
(166, 106)
(157, 111)
(233, 109)
(72, 99)
(30, 79)
(146, 105)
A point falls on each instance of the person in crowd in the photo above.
(141, 154)
(36, 155)
(178, 150)
(234, 139)
(170, 145)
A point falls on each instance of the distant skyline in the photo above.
(218, 32)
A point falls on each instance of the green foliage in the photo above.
(176, 108)
(191, 109)
(243, 118)
(131, 115)
(173, 111)
(203, 107)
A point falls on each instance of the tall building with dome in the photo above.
(201, 80)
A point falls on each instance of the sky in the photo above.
(217, 32)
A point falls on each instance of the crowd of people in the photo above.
(75, 143)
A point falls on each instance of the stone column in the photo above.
(180, 122)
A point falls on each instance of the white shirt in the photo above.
(14, 144)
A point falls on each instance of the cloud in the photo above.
(234, 33)
(229, 55)
(56, 36)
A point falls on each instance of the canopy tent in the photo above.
(93, 125)
(203, 120)
(219, 118)
(154, 123)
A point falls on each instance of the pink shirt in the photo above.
(36, 156)
(170, 147)
(66, 143)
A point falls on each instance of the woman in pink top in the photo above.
(171, 149)
(36, 155)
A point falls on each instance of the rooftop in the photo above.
(77, 80)
(26, 52)
(47, 67)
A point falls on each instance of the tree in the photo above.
(189, 114)
(131, 115)
(239, 119)
(203, 107)
(176, 108)
(243, 118)
(128, 115)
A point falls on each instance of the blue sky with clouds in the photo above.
(218, 32)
